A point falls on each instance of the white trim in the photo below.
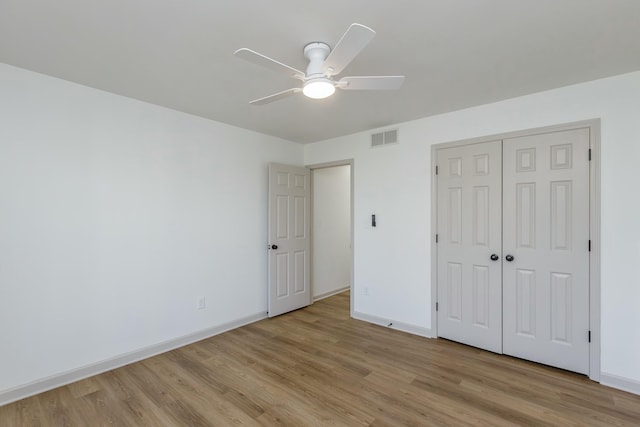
(621, 383)
(392, 324)
(331, 293)
(434, 245)
(68, 377)
(594, 256)
(594, 225)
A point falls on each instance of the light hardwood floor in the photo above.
(317, 366)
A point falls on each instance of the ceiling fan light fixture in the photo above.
(319, 88)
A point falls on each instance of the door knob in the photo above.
(273, 246)
(509, 258)
(494, 257)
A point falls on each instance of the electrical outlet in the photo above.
(201, 304)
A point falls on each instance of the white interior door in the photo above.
(289, 242)
(469, 244)
(546, 248)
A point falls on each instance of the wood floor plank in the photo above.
(319, 367)
(84, 387)
(212, 405)
(119, 393)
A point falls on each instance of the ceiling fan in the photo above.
(324, 64)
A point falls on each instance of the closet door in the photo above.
(469, 244)
(546, 248)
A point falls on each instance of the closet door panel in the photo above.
(546, 231)
(469, 229)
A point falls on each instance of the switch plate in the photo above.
(201, 304)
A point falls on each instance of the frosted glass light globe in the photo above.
(319, 88)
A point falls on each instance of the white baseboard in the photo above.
(390, 323)
(621, 383)
(58, 380)
(331, 293)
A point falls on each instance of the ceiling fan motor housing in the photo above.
(316, 53)
(316, 84)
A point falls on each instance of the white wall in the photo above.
(393, 260)
(331, 250)
(115, 215)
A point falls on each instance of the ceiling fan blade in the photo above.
(371, 82)
(265, 61)
(276, 96)
(350, 45)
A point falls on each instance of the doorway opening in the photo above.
(331, 229)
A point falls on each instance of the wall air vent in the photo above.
(384, 138)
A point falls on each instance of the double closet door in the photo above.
(513, 247)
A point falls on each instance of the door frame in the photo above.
(594, 225)
(312, 167)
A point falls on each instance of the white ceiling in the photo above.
(454, 53)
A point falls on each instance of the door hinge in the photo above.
(436, 169)
(589, 336)
(436, 306)
(589, 154)
(589, 245)
(436, 238)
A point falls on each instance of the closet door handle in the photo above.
(509, 258)
(494, 257)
